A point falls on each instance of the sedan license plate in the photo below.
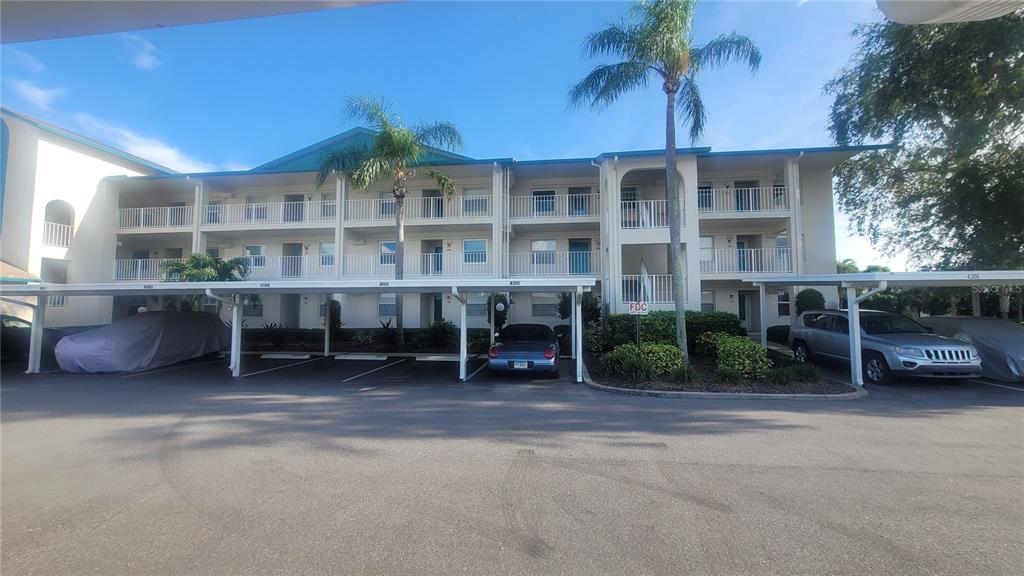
(520, 365)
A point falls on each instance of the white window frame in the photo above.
(257, 209)
(635, 190)
(549, 302)
(476, 305)
(709, 305)
(474, 206)
(466, 253)
(381, 258)
(251, 259)
(544, 195)
(327, 259)
(382, 300)
(543, 257)
(387, 204)
(787, 302)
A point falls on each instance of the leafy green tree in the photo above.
(206, 268)
(656, 44)
(395, 154)
(846, 266)
(950, 98)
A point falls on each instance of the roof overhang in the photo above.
(896, 279)
(945, 11)
(419, 285)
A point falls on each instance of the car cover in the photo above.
(999, 342)
(143, 341)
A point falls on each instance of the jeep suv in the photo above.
(891, 344)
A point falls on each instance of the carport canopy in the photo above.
(877, 282)
(457, 287)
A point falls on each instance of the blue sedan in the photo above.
(524, 348)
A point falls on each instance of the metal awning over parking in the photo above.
(877, 282)
(229, 291)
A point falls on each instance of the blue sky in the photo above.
(236, 94)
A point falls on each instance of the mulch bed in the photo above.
(707, 380)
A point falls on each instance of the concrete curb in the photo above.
(855, 395)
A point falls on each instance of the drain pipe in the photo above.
(235, 358)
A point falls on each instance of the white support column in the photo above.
(463, 336)
(35, 338)
(578, 343)
(687, 166)
(853, 312)
(198, 215)
(236, 337)
(498, 248)
(327, 324)
(572, 322)
(340, 192)
(492, 314)
(763, 318)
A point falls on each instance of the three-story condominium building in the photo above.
(743, 213)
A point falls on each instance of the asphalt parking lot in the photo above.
(389, 467)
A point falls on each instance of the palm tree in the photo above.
(656, 43)
(846, 266)
(394, 154)
(206, 268)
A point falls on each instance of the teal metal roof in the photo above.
(308, 159)
(811, 150)
(67, 134)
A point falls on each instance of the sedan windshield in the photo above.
(889, 324)
(527, 333)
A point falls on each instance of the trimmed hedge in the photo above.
(742, 355)
(809, 299)
(707, 343)
(660, 327)
(647, 362)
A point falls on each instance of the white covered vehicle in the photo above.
(143, 341)
(1000, 342)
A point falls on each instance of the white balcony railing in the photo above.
(454, 264)
(418, 209)
(554, 206)
(719, 261)
(156, 217)
(289, 267)
(645, 214)
(727, 200)
(55, 234)
(554, 263)
(57, 301)
(270, 213)
(141, 268)
(656, 289)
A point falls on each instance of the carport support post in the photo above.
(763, 316)
(572, 322)
(236, 337)
(853, 313)
(578, 342)
(327, 326)
(463, 339)
(35, 335)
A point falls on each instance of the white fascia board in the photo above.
(303, 286)
(894, 279)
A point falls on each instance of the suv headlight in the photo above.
(914, 352)
(974, 353)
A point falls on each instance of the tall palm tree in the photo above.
(656, 43)
(846, 266)
(394, 154)
(206, 268)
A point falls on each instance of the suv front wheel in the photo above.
(800, 352)
(875, 369)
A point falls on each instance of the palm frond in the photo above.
(374, 111)
(691, 107)
(663, 32)
(725, 48)
(341, 160)
(372, 170)
(439, 135)
(615, 40)
(444, 182)
(607, 82)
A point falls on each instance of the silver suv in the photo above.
(891, 344)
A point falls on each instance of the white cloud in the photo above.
(143, 146)
(34, 94)
(26, 60)
(143, 53)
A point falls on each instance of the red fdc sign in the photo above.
(638, 308)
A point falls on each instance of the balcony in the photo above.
(644, 214)
(419, 265)
(58, 235)
(560, 207)
(653, 289)
(260, 213)
(156, 217)
(748, 260)
(260, 267)
(418, 209)
(577, 263)
(746, 201)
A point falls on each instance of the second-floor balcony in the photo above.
(748, 201)
(154, 217)
(261, 213)
(55, 234)
(418, 265)
(650, 288)
(747, 260)
(644, 214)
(575, 263)
(419, 209)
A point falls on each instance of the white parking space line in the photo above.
(172, 368)
(997, 385)
(475, 372)
(283, 367)
(351, 378)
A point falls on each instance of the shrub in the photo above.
(479, 343)
(698, 323)
(806, 372)
(647, 362)
(659, 327)
(563, 332)
(593, 339)
(387, 338)
(743, 355)
(364, 338)
(442, 333)
(707, 343)
(684, 374)
(809, 299)
(778, 334)
(275, 334)
(730, 375)
(779, 375)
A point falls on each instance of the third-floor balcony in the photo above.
(419, 209)
(554, 207)
(256, 214)
(574, 263)
(154, 218)
(743, 201)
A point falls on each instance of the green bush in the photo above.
(806, 372)
(707, 343)
(684, 374)
(479, 343)
(809, 299)
(779, 375)
(442, 333)
(647, 362)
(593, 339)
(659, 327)
(779, 334)
(740, 354)
(730, 375)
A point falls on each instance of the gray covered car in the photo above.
(891, 344)
(1000, 342)
(143, 341)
